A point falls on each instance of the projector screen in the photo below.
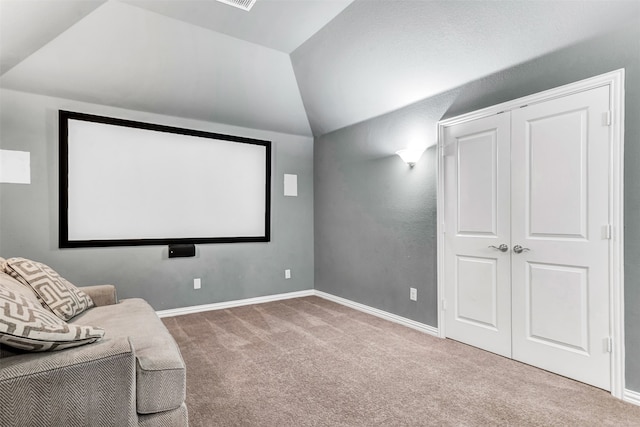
(128, 183)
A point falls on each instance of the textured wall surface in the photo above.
(375, 220)
(379, 56)
(29, 218)
(375, 226)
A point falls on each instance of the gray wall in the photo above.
(29, 218)
(375, 219)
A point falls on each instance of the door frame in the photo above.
(615, 81)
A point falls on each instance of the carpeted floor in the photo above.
(311, 362)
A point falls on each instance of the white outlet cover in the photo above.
(287, 274)
(197, 283)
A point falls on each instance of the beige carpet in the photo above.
(311, 362)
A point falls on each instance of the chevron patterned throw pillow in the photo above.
(26, 325)
(54, 292)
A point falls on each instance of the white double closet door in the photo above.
(535, 180)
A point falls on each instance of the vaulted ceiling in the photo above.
(301, 67)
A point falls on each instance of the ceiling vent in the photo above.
(240, 4)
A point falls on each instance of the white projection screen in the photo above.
(125, 183)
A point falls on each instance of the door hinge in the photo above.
(444, 305)
(609, 341)
(608, 117)
(608, 231)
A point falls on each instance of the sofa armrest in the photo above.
(101, 294)
(89, 385)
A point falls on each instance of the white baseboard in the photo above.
(631, 396)
(230, 304)
(269, 298)
(379, 313)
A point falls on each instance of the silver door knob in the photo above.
(519, 249)
(501, 248)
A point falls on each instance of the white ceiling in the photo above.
(126, 56)
(279, 24)
(27, 25)
(293, 66)
(378, 56)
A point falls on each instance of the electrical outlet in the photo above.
(413, 294)
(287, 274)
(196, 283)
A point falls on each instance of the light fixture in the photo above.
(240, 4)
(410, 155)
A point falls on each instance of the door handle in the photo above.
(519, 249)
(501, 248)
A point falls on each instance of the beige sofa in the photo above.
(133, 376)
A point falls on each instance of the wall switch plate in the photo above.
(196, 284)
(413, 294)
(287, 274)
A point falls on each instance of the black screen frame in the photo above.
(64, 242)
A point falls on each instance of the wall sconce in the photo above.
(410, 155)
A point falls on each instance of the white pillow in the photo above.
(54, 292)
(26, 325)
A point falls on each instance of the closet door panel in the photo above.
(560, 210)
(476, 169)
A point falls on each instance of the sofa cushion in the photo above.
(160, 370)
(176, 417)
(26, 325)
(54, 292)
